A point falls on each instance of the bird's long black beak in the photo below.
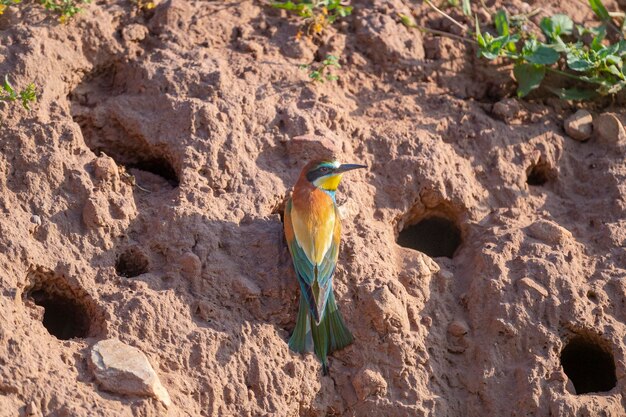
(348, 167)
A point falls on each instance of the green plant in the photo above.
(66, 9)
(6, 3)
(597, 63)
(586, 55)
(323, 71)
(26, 96)
(317, 14)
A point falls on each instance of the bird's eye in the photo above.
(324, 170)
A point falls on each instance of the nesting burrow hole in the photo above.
(132, 263)
(104, 133)
(589, 364)
(66, 312)
(539, 173)
(435, 235)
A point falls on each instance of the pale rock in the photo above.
(124, 369)
(549, 232)
(609, 129)
(368, 382)
(529, 283)
(579, 126)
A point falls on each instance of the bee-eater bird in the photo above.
(313, 232)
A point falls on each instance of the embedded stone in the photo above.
(579, 126)
(124, 369)
(533, 285)
(549, 232)
(609, 129)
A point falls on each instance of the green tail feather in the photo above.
(300, 340)
(321, 341)
(340, 336)
(330, 335)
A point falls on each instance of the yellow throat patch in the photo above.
(329, 183)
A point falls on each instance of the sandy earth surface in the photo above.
(140, 199)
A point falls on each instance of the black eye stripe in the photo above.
(318, 172)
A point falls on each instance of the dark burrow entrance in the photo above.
(68, 310)
(435, 236)
(131, 263)
(539, 173)
(63, 317)
(104, 132)
(589, 366)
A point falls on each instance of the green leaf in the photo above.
(578, 59)
(563, 24)
(543, 54)
(345, 10)
(303, 9)
(614, 60)
(407, 21)
(529, 77)
(580, 65)
(501, 21)
(467, 7)
(557, 25)
(575, 94)
(479, 37)
(599, 9)
(8, 87)
(613, 70)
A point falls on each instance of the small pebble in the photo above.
(533, 285)
(579, 126)
(549, 232)
(609, 129)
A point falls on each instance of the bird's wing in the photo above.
(326, 268)
(305, 243)
(304, 267)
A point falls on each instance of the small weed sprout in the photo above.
(9, 94)
(6, 3)
(317, 14)
(66, 9)
(322, 72)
